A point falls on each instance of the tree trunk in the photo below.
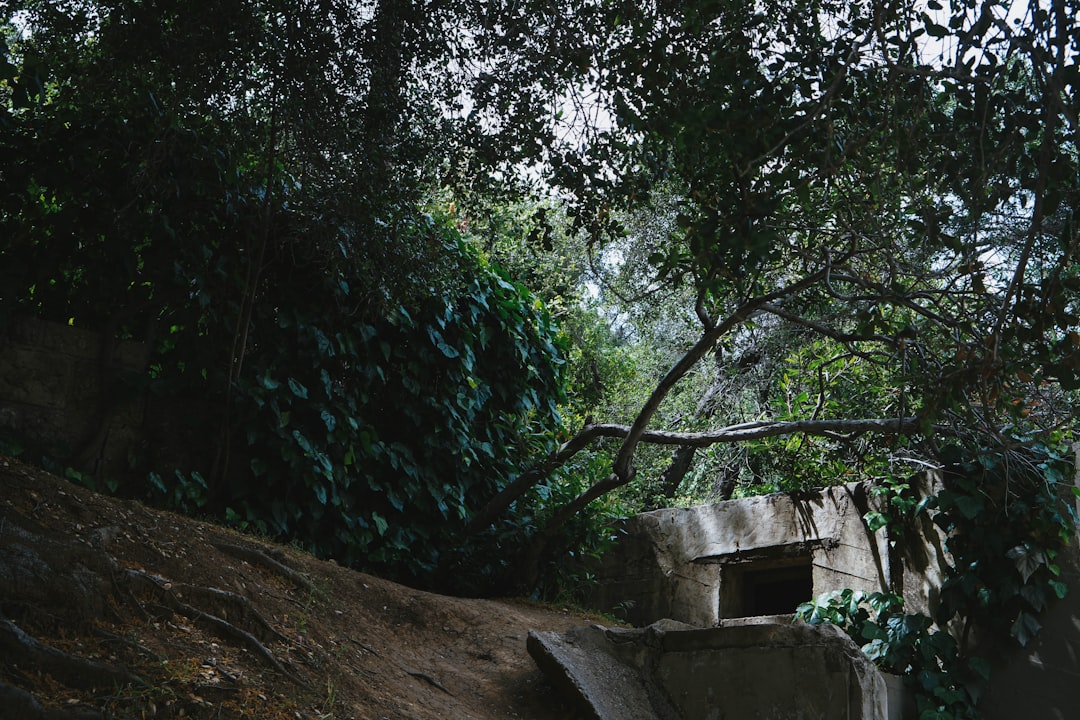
(681, 462)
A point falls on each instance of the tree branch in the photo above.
(534, 475)
(825, 330)
(763, 429)
(708, 340)
(730, 434)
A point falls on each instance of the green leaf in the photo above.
(1060, 589)
(302, 441)
(980, 666)
(873, 631)
(1025, 628)
(298, 389)
(329, 420)
(1035, 596)
(970, 506)
(439, 342)
(1026, 562)
(381, 525)
(875, 520)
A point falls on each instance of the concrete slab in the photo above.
(670, 671)
(581, 667)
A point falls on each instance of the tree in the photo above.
(897, 185)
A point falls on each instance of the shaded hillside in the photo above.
(111, 609)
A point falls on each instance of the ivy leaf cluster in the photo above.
(1007, 516)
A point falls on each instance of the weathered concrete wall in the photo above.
(1042, 680)
(770, 671)
(687, 563)
(670, 672)
(50, 390)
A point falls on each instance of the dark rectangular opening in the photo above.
(766, 588)
(777, 590)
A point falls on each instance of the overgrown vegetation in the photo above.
(422, 280)
(329, 363)
(436, 289)
(1007, 517)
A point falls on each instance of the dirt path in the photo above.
(192, 620)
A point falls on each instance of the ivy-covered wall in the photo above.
(1040, 680)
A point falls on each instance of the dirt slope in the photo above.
(147, 614)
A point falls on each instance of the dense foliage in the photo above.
(329, 364)
(875, 200)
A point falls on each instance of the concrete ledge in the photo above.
(580, 667)
(669, 671)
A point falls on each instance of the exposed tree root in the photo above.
(114, 638)
(429, 680)
(223, 628)
(242, 606)
(71, 670)
(258, 557)
(18, 703)
(69, 579)
(364, 647)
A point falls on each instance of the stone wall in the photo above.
(53, 392)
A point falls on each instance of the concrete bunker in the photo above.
(720, 564)
(715, 588)
(729, 576)
(671, 671)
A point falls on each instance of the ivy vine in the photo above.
(1007, 515)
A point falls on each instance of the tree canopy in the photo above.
(245, 190)
(894, 187)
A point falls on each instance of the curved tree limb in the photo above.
(730, 434)
(766, 428)
(534, 475)
(701, 348)
(635, 434)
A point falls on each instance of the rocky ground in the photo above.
(109, 609)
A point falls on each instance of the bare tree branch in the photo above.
(763, 429)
